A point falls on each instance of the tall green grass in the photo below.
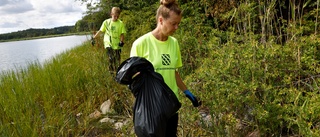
(56, 98)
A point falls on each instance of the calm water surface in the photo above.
(18, 54)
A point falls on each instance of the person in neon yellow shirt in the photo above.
(114, 30)
(162, 50)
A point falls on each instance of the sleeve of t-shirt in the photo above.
(134, 51)
(179, 61)
(103, 26)
(123, 29)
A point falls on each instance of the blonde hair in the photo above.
(166, 6)
(115, 10)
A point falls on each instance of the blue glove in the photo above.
(193, 99)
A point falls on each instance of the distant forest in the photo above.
(29, 33)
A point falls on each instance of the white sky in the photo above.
(18, 15)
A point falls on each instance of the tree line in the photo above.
(32, 32)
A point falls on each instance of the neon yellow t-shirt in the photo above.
(113, 30)
(164, 55)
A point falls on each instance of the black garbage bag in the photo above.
(130, 67)
(155, 102)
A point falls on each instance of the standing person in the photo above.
(162, 50)
(114, 30)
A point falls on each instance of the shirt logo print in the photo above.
(166, 59)
(113, 28)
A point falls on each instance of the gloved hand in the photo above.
(193, 99)
(92, 41)
(121, 44)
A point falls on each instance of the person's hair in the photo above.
(115, 10)
(166, 6)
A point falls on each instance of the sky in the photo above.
(18, 15)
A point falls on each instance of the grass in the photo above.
(46, 100)
(57, 98)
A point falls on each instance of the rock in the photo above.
(96, 114)
(79, 114)
(118, 125)
(204, 112)
(105, 107)
(107, 120)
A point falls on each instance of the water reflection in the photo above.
(18, 54)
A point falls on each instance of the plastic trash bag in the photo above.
(130, 67)
(155, 102)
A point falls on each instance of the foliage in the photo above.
(254, 64)
(99, 11)
(56, 98)
(29, 33)
(250, 83)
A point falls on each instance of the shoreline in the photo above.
(47, 36)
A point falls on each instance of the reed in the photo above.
(56, 98)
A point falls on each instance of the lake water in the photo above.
(18, 54)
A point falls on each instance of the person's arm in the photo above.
(180, 83)
(121, 40)
(183, 87)
(97, 34)
(122, 37)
